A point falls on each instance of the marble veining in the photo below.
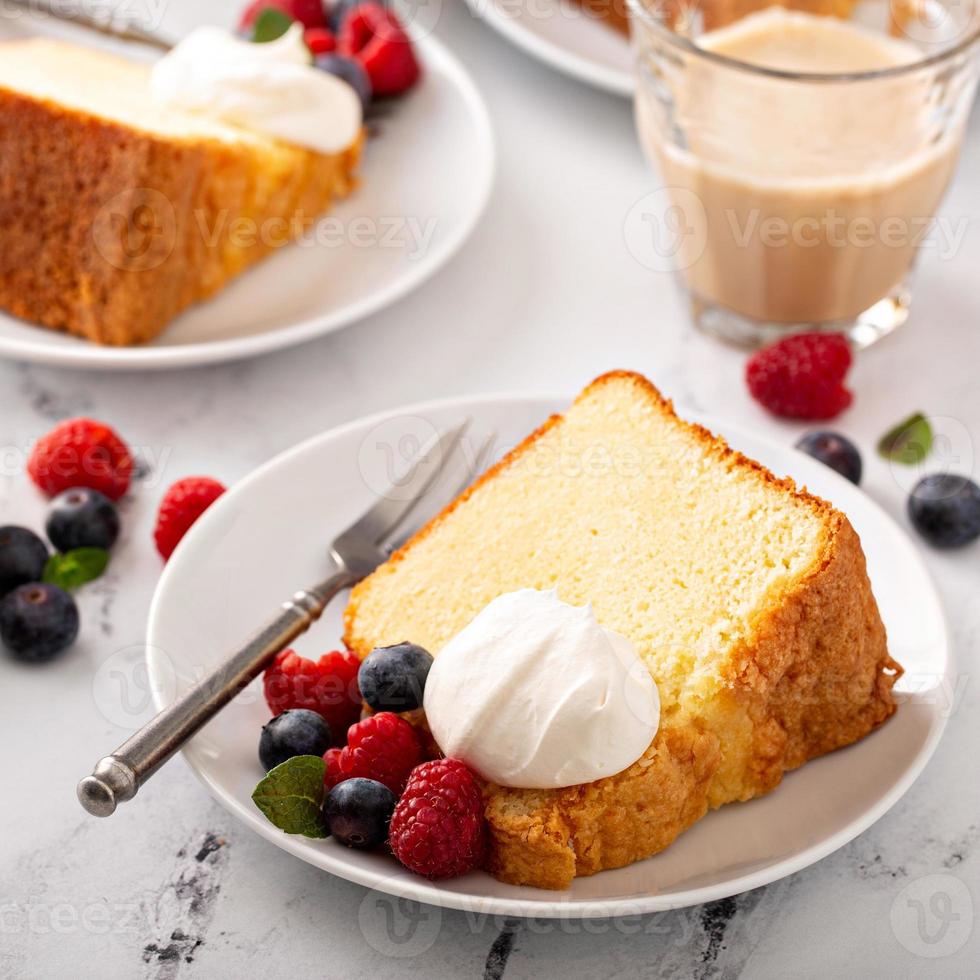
(544, 297)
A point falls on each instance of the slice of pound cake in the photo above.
(117, 214)
(746, 598)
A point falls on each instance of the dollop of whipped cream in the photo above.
(535, 694)
(271, 88)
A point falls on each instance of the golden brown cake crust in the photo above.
(104, 230)
(815, 676)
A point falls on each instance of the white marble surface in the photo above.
(545, 297)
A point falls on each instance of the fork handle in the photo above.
(118, 777)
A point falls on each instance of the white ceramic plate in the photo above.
(268, 536)
(565, 37)
(425, 178)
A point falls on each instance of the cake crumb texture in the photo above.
(747, 598)
(116, 215)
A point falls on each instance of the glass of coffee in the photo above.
(804, 149)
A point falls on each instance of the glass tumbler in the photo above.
(799, 191)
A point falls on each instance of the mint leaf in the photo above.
(74, 568)
(291, 796)
(270, 25)
(909, 442)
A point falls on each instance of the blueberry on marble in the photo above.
(82, 518)
(945, 509)
(38, 621)
(835, 451)
(296, 731)
(23, 556)
(393, 678)
(358, 811)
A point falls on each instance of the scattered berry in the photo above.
(834, 450)
(38, 621)
(181, 506)
(393, 678)
(332, 774)
(82, 518)
(438, 829)
(327, 686)
(348, 70)
(81, 453)
(375, 37)
(358, 812)
(382, 747)
(802, 377)
(309, 13)
(339, 11)
(319, 40)
(294, 732)
(23, 556)
(945, 509)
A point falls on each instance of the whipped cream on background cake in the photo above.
(270, 87)
(535, 694)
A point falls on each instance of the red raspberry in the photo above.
(319, 40)
(438, 829)
(374, 36)
(332, 774)
(181, 506)
(327, 686)
(81, 453)
(802, 377)
(382, 747)
(309, 13)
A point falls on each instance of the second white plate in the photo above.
(564, 36)
(268, 536)
(426, 179)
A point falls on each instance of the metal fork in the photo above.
(353, 555)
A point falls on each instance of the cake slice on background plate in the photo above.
(747, 599)
(116, 213)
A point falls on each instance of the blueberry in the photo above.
(835, 450)
(349, 71)
(337, 13)
(358, 812)
(294, 732)
(23, 556)
(38, 621)
(945, 509)
(82, 518)
(393, 678)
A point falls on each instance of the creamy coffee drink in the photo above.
(802, 198)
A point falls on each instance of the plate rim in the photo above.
(93, 357)
(567, 62)
(402, 884)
